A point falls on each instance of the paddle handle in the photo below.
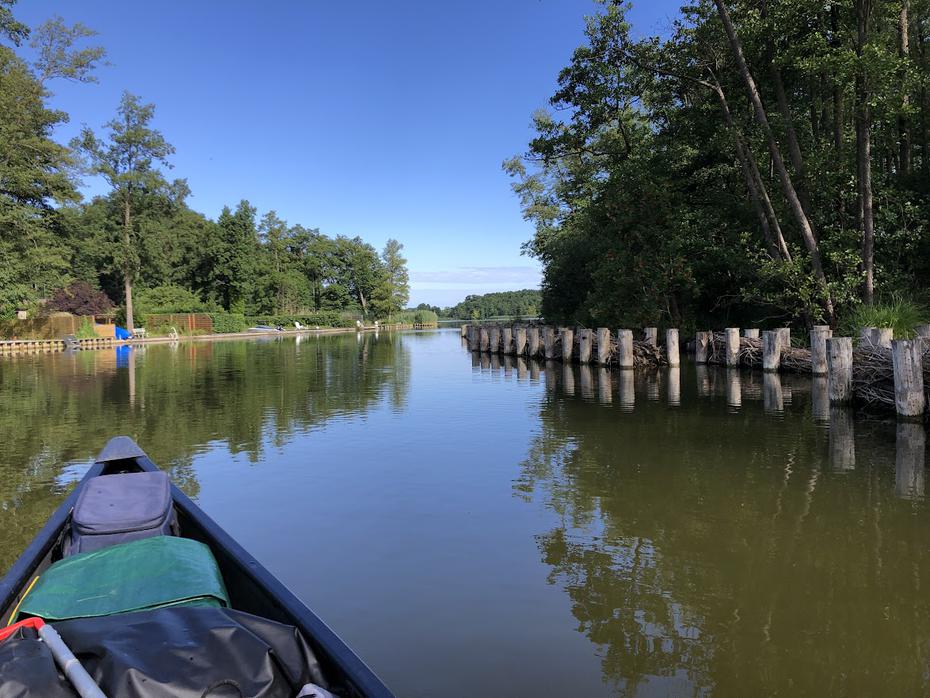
(83, 682)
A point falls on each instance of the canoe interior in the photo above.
(250, 586)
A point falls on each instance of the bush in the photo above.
(415, 317)
(898, 312)
(323, 318)
(168, 299)
(226, 323)
(86, 330)
(79, 298)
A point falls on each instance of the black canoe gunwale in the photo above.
(238, 566)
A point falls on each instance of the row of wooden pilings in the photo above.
(878, 354)
(46, 346)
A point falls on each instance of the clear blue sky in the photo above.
(379, 119)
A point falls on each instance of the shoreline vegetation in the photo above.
(758, 164)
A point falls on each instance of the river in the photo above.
(493, 528)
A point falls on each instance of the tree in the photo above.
(80, 298)
(232, 255)
(128, 162)
(398, 279)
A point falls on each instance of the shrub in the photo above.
(415, 317)
(80, 298)
(168, 299)
(86, 330)
(225, 323)
(898, 312)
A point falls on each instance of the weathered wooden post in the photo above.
(585, 345)
(771, 350)
(672, 348)
(867, 336)
(839, 369)
(751, 333)
(464, 329)
(819, 336)
(494, 338)
(507, 340)
(907, 361)
(701, 346)
(603, 346)
(883, 337)
(922, 331)
(532, 342)
(732, 346)
(910, 456)
(519, 340)
(785, 334)
(625, 348)
(651, 335)
(484, 338)
(473, 340)
(549, 343)
(568, 343)
(674, 386)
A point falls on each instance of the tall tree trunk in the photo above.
(924, 106)
(768, 221)
(127, 267)
(864, 155)
(794, 203)
(904, 127)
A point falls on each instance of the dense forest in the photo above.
(141, 239)
(505, 304)
(761, 162)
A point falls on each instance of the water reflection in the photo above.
(674, 386)
(604, 386)
(773, 401)
(842, 438)
(910, 454)
(174, 400)
(627, 389)
(734, 389)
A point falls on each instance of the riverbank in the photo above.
(45, 346)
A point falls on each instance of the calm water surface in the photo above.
(486, 528)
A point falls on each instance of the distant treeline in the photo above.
(762, 162)
(142, 236)
(523, 303)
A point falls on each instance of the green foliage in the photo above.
(169, 299)
(415, 317)
(86, 329)
(79, 298)
(525, 303)
(897, 311)
(227, 323)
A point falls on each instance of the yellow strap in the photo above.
(21, 599)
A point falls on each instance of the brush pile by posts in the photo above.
(879, 372)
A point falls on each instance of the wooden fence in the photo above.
(182, 322)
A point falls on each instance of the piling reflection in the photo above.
(734, 389)
(586, 381)
(773, 401)
(910, 455)
(842, 439)
(702, 376)
(604, 386)
(674, 386)
(820, 399)
(626, 384)
(568, 380)
(696, 558)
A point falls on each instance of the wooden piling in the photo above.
(867, 336)
(474, 343)
(839, 369)
(568, 343)
(484, 339)
(464, 330)
(819, 336)
(519, 340)
(732, 346)
(701, 345)
(549, 343)
(651, 335)
(771, 350)
(603, 346)
(907, 361)
(585, 345)
(507, 340)
(883, 337)
(494, 338)
(533, 340)
(751, 333)
(625, 348)
(785, 335)
(672, 348)
(922, 331)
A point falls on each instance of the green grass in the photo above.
(896, 311)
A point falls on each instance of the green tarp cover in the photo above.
(143, 574)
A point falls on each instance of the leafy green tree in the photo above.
(231, 259)
(128, 161)
(397, 278)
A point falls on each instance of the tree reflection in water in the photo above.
(176, 401)
(715, 551)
